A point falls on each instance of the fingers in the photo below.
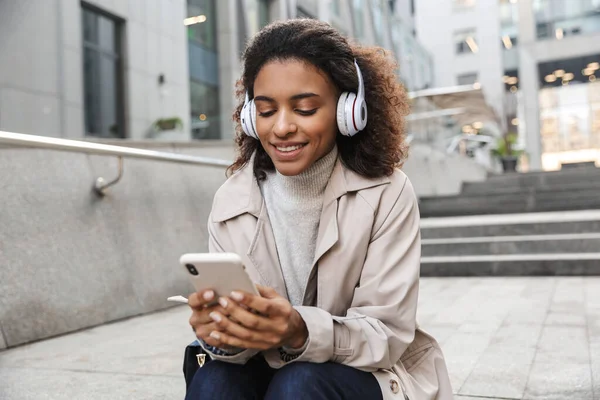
(271, 306)
(202, 316)
(201, 299)
(203, 333)
(267, 292)
(235, 330)
(239, 314)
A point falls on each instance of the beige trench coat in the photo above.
(361, 299)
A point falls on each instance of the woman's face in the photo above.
(295, 114)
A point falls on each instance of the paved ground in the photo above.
(504, 338)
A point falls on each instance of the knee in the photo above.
(212, 377)
(301, 372)
(295, 379)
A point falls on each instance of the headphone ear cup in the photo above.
(349, 108)
(252, 111)
(248, 119)
(244, 119)
(360, 114)
(341, 114)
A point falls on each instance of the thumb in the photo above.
(267, 292)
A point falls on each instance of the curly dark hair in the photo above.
(381, 146)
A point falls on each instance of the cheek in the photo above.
(323, 129)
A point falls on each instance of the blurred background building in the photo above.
(536, 61)
(107, 68)
(219, 30)
(166, 69)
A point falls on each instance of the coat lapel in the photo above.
(328, 235)
(263, 254)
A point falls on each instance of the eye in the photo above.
(266, 113)
(307, 112)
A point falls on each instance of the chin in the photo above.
(289, 169)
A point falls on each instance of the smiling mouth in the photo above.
(289, 149)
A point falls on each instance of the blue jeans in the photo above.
(298, 381)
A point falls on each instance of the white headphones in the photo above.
(351, 111)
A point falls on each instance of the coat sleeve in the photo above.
(219, 242)
(381, 322)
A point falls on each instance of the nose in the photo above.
(284, 124)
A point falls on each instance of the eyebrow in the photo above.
(298, 96)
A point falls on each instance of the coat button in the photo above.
(394, 386)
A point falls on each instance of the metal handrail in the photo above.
(79, 146)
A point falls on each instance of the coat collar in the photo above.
(244, 196)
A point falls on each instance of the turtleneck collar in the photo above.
(309, 184)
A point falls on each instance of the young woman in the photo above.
(326, 224)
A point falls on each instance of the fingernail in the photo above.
(223, 302)
(216, 317)
(237, 296)
(215, 335)
(208, 295)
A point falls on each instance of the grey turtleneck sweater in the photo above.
(294, 205)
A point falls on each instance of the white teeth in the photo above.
(289, 148)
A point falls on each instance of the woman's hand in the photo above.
(201, 322)
(274, 324)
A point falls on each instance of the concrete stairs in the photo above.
(542, 243)
(568, 189)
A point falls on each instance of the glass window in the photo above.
(560, 19)
(256, 14)
(378, 22)
(204, 69)
(467, 79)
(202, 23)
(335, 7)
(357, 17)
(570, 71)
(509, 23)
(302, 13)
(102, 75)
(263, 13)
(511, 80)
(465, 41)
(205, 111)
(569, 110)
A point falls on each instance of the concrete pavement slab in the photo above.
(499, 335)
(60, 384)
(559, 381)
(569, 344)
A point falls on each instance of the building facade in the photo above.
(100, 68)
(536, 61)
(161, 69)
(218, 32)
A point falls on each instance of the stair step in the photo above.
(514, 202)
(566, 184)
(574, 188)
(544, 174)
(522, 244)
(585, 221)
(580, 264)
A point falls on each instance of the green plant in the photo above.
(505, 147)
(166, 124)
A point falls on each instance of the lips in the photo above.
(288, 151)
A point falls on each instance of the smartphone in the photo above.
(221, 272)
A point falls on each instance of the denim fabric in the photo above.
(255, 380)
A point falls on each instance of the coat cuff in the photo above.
(318, 348)
(239, 357)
